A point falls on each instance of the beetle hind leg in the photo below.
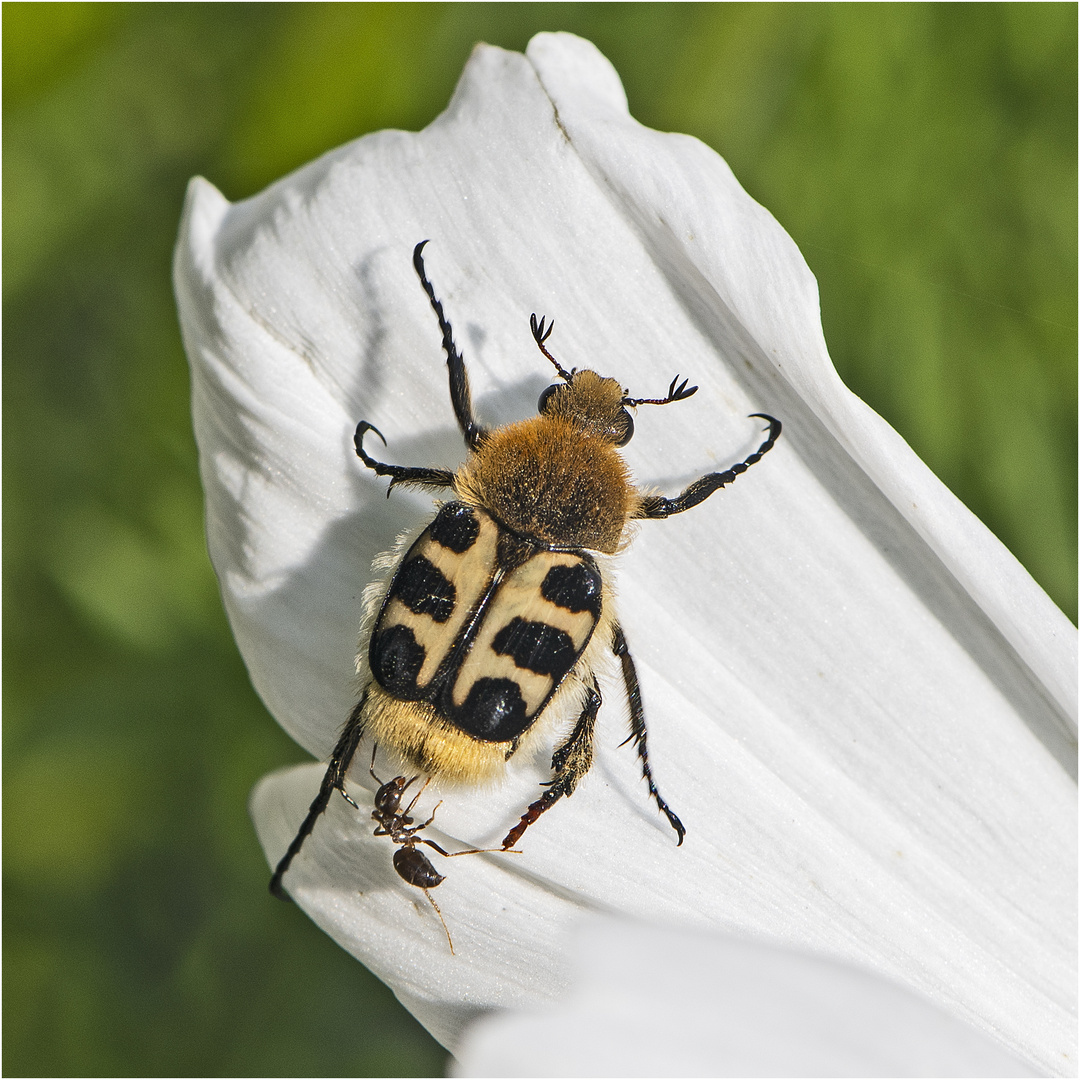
(333, 780)
(570, 762)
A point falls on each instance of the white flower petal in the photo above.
(507, 928)
(649, 1001)
(859, 703)
(742, 275)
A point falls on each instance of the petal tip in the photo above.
(204, 210)
(567, 64)
(204, 206)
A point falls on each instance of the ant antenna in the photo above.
(540, 335)
(416, 797)
(675, 393)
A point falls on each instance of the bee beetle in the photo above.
(495, 617)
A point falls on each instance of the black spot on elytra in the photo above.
(494, 711)
(455, 528)
(574, 588)
(396, 658)
(424, 589)
(537, 647)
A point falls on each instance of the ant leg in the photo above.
(460, 396)
(656, 506)
(431, 900)
(410, 829)
(637, 725)
(414, 829)
(417, 828)
(399, 474)
(570, 763)
(469, 851)
(333, 779)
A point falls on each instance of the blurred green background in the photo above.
(923, 157)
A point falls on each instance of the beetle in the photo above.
(496, 616)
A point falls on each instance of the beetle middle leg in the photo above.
(460, 396)
(399, 474)
(637, 725)
(570, 762)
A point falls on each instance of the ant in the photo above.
(412, 865)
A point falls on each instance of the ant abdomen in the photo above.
(415, 868)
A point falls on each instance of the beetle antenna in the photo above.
(675, 393)
(540, 335)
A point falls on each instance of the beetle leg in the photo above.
(656, 506)
(399, 474)
(459, 379)
(333, 779)
(570, 762)
(637, 725)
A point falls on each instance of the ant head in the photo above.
(388, 797)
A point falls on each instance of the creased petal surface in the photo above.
(859, 703)
(650, 1001)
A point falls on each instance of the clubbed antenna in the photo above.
(675, 393)
(540, 335)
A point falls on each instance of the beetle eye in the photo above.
(545, 397)
(626, 423)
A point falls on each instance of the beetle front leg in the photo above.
(656, 506)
